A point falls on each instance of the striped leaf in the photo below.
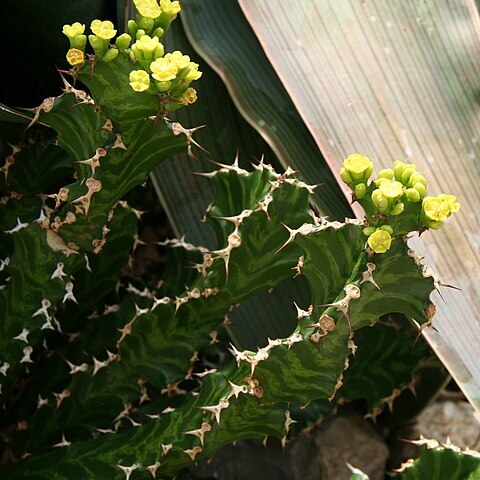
(395, 80)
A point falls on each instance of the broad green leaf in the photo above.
(396, 80)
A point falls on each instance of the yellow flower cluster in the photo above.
(172, 73)
(435, 210)
(389, 194)
(392, 185)
(169, 74)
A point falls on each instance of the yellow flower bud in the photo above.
(358, 166)
(190, 96)
(345, 176)
(397, 209)
(123, 41)
(163, 86)
(379, 241)
(420, 188)
(132, 28)
(103, 30)
(387, 228)
(398, 168)
(360, 190)
(367, 231)
(413, 195)
(110, 55)
(417, 178)
(71, 31)
(379, 200)
(407, 173)
(146, 24)
(387, 173)
(163, 70)
(79, 42)
(159, 51)
(139, 80)
(75, 57)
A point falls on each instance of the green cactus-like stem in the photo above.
(164, 337)
(114, 157)
(347, 294)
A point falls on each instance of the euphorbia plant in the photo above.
(115, 391)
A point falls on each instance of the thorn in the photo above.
(236, 390)
(46, 106)
(292, 233)
(166, 448)
(60, 397)
(27, 351)
(77, 368)
(367, 276)
(23, 336)
(58, 273)
(200, 432)
(63, 443)
(288, 421)
(17, 228)
(69, 295)
(178, 129)
(216, 409)
(153, 469)
(193, 452)
(127, 470)
(119, 142)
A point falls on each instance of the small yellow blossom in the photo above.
(103, 30)
(72, 31)
(440, 208)
(75, 57)
(163, 70)
(358, 166)
(169, 7)
(193, 73)
(179, 59)
(190, 96)
(379, 241)
(139, 80)
(148, 8)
